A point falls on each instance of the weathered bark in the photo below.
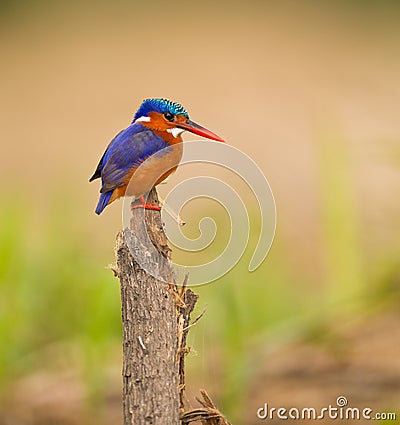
(188, 301)
(149, 320)
(155, 321)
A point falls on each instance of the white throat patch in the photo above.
(175, 131)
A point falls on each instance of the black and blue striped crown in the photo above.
(160, 105)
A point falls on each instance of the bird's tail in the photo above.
(103, 201)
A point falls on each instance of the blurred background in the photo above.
(310, 90)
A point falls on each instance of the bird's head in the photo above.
(163, 115)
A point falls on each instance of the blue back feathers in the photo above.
(160, 105)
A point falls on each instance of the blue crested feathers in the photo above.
(160, 105)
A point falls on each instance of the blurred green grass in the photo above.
(53, 292)
(275, 304)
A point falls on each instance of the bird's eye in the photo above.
(168, 116)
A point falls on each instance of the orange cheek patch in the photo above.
(157, 122)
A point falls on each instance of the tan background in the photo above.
(310, 90)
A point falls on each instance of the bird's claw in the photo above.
(146, 206)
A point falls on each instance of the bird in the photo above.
(154, 139)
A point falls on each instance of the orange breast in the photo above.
(140, 180)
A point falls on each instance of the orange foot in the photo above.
(146, 206)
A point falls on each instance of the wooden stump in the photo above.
(155, 322)
(149, 321)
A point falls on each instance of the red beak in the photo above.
(198, 129)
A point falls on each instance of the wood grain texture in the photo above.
(149, 320)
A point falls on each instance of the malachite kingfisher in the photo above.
(156, 127)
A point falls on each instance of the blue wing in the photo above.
(128, 149)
